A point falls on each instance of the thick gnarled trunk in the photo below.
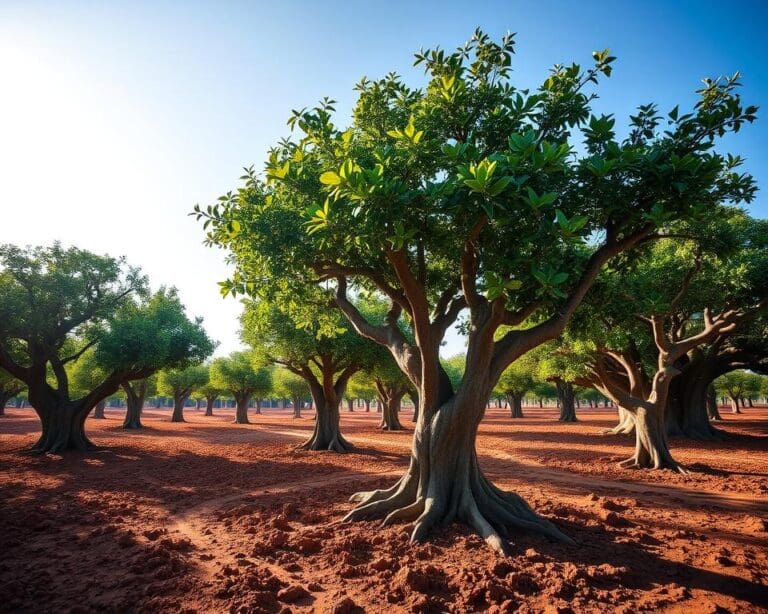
(651, 444)
(686, 412)
(63, 426)
(241, 409)
(134, 396)
(327, 396)
(515, 402)
(178, 408)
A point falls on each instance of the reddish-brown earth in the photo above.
(210, 516)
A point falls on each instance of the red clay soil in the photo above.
(209, 516)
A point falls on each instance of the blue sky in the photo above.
(116, 118)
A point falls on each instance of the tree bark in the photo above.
(63, 423)
(566, 398)
(350, 405)
(651, 444)
(713, 413)
(625, 426)
(515, 405)
(390, 398)
(367, 405)
(135, 395)
(686, 412)
(296, 407)
(178, 407)
(735, 405)
(209, 401)
(327, 395)
(98, 411)
(258, 407)
(4, 398)
(241, 409)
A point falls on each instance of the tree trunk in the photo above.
(258, 407)
(713, 413)
(515, 405)
(63, 424)
(350, 405)
(541, 403)
(651, 445)
(241, 410)
(367, 405)
(209, 401)
(296, 407)
(98, 411)
(134, 395)
(415, 398)
(390, 417)
(625, 426)
(444, 482)
(178, 408)
(735, 405)
(686, 412)
(566, 398)
(4, 398)
(327, 434)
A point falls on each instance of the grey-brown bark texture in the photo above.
(98, 410)
(241, 409)
(515, 402)
(566, 397)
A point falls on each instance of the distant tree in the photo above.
(136, 392)
(179, 384)
(315, 345)
(362, 386)
(242, 378)
(209, 393)
(517, 380)
(9, 388)
(290, 386)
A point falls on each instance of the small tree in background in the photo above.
(10, 387)
(179, 384)
(243, 379)
(290, 386)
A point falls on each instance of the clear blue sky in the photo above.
(117, 117)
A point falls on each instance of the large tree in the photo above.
(243, 378)
(470, 193)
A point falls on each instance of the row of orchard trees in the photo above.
(525, 217)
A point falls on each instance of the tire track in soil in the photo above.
(191, 526)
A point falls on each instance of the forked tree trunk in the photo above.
(178, 408)
(134, 394)
(296, 401)
(209, 401)
(625, 426)
(326, 396)
(98, 411)
(566, 397)
(735, 405)
(390, 417)
(515, 405)
(241, 409)
(651, 445)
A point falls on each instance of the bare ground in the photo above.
(210, 516)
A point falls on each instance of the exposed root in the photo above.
(671, 465)
(336, 444)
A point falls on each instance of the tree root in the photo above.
(472, 500)
(336, 444)
(671, 465)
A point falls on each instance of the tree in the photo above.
(238, 375)
(210, 393)
(9, 388)
(291, 386)
(56, 305)
(515, 382)
(417, 200)
(179, 384)
(362, 386)
(136, 392)
(316, 347)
